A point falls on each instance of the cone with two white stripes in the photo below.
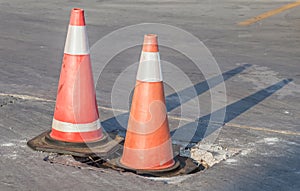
(148, 144)
(76, 127)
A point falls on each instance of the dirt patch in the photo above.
(7, 100)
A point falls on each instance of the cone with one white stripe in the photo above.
(76, 126)
(148, 144)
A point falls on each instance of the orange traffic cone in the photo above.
(76, 127)
(148, 145)
(76, 117)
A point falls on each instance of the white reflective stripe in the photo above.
(77, 41)
(70, 127)
(149, 68)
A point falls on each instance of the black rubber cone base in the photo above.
(101, 148)
(182, 166)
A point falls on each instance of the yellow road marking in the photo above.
(269, 14)
(33, 98)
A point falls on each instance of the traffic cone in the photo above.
(148, 144)
(76, 117)
(76, 126)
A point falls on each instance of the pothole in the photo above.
(183, 165)
(192, 160)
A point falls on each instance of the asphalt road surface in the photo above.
(258, 61)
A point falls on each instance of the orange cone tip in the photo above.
(77, 17)
(150, 43)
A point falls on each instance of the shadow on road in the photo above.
(178, 98)
(201, 128)
(119, 122)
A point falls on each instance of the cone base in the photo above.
(175, 164)
(52, 140)
(167, 165)
(102, 148)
